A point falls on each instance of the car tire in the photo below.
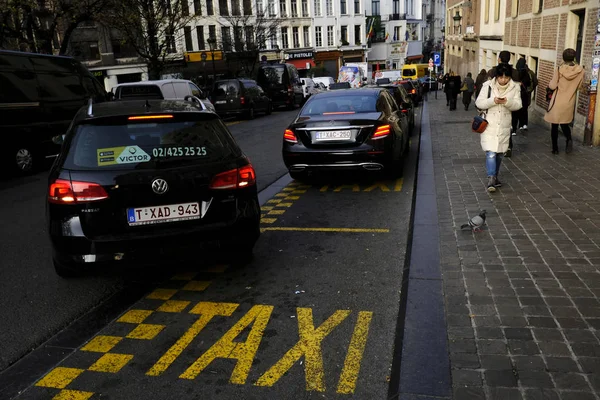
(64, 271)
(24, 159)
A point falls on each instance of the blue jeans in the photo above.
(492, 162)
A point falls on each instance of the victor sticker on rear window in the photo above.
(122, 155)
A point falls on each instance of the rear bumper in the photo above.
(74, 250)
(321, 161)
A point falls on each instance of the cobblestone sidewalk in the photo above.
(521, 297)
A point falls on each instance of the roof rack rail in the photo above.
(195, 99)
(90, 111)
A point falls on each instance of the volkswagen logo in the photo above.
(160, 186)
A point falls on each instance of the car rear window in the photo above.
(226, 89)
(149, 144)
(329, 105)
(272, 75)
(140, 91)
(409, 72)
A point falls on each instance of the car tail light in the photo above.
(235, 179)
(242, 100)
(413, 91)
(63, 191)
(405, 111)
(381, 132)
(290, 136)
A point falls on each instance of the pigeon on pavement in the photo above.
(476, 222)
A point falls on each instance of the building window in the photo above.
(185, 8)
(410, 10)
(235, 7)
(282, 8)
(295, 8)
(226, 38)
(187, 34)
(238, 43)
(272, 8)
(318, 37)
(306, 30)
(357, 37)
(515, 8)
(296, 36)
(250, 42)
(197, 7)
(396, 34)
(538, 5)
(86, 51)
(122, 49)
(375, 7)
(212, 32)
(497, 10)
(330, 40)
(317, 8)
(273, 38)
(396, 7)
(259, 8)
(170, 41)
(343, 7)
(486, 11)
(305, 8)
(344, 34)
(200, 37)
(284, 38)
(329, 7)
(210, 7)
(356, 6)
(223, 8)
(247, 7)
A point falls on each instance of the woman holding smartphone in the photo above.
(499, 97)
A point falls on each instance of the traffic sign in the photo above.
(437, 60)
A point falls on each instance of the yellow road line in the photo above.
(145, 331)
(162, 294)
(173, 306)
(135, 316)
(232, 123)
(102, 344)
(344, 230)
(349, 376)
(196, 286)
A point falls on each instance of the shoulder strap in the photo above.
(489, 91)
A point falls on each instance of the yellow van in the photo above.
(414, 71)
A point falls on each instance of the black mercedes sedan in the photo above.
(351, 129)
(144, 181)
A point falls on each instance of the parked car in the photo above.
(140, 182)
(39, 96)
(325, 80)
(165, 89)
(349, 130)
(240, 97)
(322, 86)
(308, 87)
(420, 89)
(412, 90)
(404, 102)
(282, 84)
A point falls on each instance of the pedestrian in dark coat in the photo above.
(445, 81)
(467, 94)
(454, 84)
(481, 79)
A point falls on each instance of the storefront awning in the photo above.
(415, 57)
(301, 64)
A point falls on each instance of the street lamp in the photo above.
(457, 19)
(212, 43)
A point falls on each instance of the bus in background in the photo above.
(414, 71)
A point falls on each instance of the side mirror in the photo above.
(59, 139)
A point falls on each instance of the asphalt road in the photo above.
(36, 303)
(314, 315)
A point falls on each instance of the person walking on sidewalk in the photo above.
(565, 83)
(499, 97)
(520, 117)
(454, 84)
(445, 81)
(481, 79)
(469, 86)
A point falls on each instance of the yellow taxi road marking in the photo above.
(383, 186)
(349, 376)
(276, 212)
(243, 352)
(145, 331)
(268, 220)
(102, 344)
(309, 346)
(196, 286)
(59, 377)
(343, 230)
(162, 294)
(281, 195)
(287, 189)
(292, 198)
(207, 311)
(135, 316)
(284, 205)
(299, 191)
(232, 123)
(173, 306)
(184, 276)
(266, 208)
(111, 363)
(274, 201)
(72, 395)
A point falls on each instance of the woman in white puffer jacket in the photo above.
(499, 97)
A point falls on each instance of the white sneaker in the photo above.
(514, 133)
(524, 127)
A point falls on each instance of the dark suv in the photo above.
(240, 97)
(282, 84)
(138, 180)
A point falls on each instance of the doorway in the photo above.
(575, 32)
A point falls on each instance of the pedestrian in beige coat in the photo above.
(500, 97)
(565, 83)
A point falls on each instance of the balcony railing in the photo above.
(397, 17)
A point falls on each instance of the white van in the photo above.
(393, 75)
(166, 89)
(325, 80)
(308, 87)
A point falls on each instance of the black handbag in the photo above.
(479, 123)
